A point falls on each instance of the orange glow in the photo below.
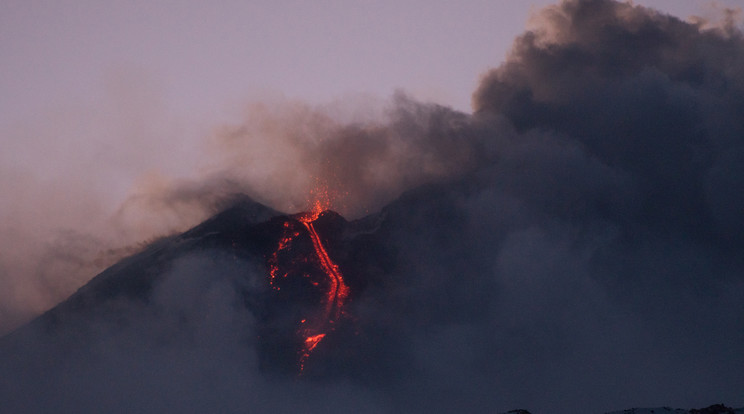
(335, 294)
(310, 343)
(338, 291)
(313, 341)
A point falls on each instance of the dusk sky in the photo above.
(125, 88)
(200, 60)
(138, 78)
(145, 82)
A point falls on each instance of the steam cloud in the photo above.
(572, 246)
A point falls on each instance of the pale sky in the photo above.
(202, 56)
(84, 74)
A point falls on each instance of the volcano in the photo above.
(265, 290)
(300, 270)
(257, 308)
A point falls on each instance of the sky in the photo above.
(137, 86)
(201, 59)
(560, 225)
(85, 74)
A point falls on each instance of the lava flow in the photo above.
(314, 328)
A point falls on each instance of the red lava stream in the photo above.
(313, 332)
(338, 291)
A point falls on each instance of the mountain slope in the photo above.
(452, 306)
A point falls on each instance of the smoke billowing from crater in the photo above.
(571, 246)
(281, 153)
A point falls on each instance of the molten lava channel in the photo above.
(336, 293)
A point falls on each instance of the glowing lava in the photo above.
(338, 291)
(335, 293)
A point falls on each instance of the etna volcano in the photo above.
(271, 310)
(309, 266)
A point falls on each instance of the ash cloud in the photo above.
(281, 153)
(572, 246)
(591, 261)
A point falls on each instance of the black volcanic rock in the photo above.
(236, 229)
(185, 300)
(230, 250)
(714, 409)
(447, 309)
